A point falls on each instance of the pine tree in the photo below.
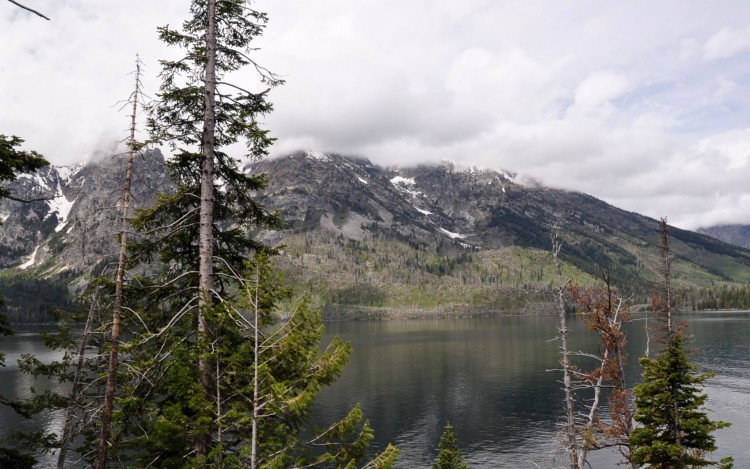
(14, 161)
(288, 371)
(203, 231)
(674, 430)
(450, 456)
(265, 377)
(195, 395)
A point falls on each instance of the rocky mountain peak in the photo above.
(433, 215)
(74, 227)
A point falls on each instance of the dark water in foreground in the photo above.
(488, 377)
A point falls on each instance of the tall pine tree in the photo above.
(203, 230)
(209, 385)
(673, 428)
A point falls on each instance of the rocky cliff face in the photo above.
(75, 227)
(350, 223)
(457, 210)
(739, 235)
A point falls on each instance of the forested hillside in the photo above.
(371, 240)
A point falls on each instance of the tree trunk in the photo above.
(109, 392)
(666, 261)
(205, 267)
(256, 361)
(67, 435)
(572, 442)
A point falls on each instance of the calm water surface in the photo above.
(488, 377)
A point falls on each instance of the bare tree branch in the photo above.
(26, 201)
(28, 9)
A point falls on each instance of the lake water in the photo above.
(487, 376)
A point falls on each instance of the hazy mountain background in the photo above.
(738, 235)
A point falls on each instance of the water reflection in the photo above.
(489, 377)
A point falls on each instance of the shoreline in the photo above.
(332, 313)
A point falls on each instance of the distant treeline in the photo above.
(727, 297)
(29, 300)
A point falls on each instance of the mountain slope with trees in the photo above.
(373, 240)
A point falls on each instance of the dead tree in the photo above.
(604, 312)
(109, 393)
(570, 428)
(68, 430)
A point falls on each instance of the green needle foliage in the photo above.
(263, 388)
(213, 380)
(674, 430)
(450, 456)
(14, 161)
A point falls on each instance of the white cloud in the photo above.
(730, 150)
(727, 43)
(506, 86)
(627, 101)
(595, 94)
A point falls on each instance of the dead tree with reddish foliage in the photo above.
(604, 312)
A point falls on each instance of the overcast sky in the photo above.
(645, 104)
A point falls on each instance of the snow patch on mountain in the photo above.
(402, 180)
(506, 175)
(31, 261)
(362, 180)
(61, 206)
(37, 179)
(66, 173)
(405, 185)
(316, 155)
(423, 212)
(451, 234)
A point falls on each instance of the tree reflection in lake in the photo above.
(487, 376)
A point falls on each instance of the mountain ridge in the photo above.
(370, 239)
(737, 234)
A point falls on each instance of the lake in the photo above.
(488, 376)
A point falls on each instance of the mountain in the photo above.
(739, 235)
(469, 235)
(71, 225)
(374, 240)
